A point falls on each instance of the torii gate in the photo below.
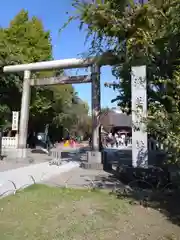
(95, 63)
(138, 88)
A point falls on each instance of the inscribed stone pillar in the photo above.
(139, 114)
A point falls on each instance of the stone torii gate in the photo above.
(95, 63)
(138, 101)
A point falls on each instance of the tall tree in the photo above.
(25, 40)
(141, 34)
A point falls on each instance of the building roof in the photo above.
(114, 119)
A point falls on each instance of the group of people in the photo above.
(69, 141)
(117, 139)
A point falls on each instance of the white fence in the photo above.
(10, 142)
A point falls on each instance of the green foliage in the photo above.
(34, 43)
(141, 34)
(25, 41)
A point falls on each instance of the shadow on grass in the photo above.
(101, 181)
(164, 199)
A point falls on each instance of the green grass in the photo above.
(41, 212)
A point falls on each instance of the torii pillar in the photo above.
(94, 157)
(96, 106)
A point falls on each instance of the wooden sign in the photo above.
(15, 121)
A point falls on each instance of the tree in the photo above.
(25, 41)
(82, 125)
(141, 34)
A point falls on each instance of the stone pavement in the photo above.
(25, 176)
(82, 178)
(8, 165)
(16, 175)
(33, 157)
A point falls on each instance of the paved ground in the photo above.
(25, 176)
(20, 174)
(80, 178)
(33, 158)
(5, 166)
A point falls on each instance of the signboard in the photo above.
(15, 121)
(139, 113)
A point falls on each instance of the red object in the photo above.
(72, 143)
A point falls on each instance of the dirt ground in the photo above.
(43, 212)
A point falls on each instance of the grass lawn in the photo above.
(41, 212)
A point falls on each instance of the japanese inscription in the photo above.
(139, 102)
(138, 112)
(140, 144)
(139, 109)
(139, 82)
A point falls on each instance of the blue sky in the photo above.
(68, 44)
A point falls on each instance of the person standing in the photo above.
(116, 139)
(123, 136)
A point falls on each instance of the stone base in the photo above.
(94, 161)
(21, 153)
(15, 153)
(94, 157)
(94, 166)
